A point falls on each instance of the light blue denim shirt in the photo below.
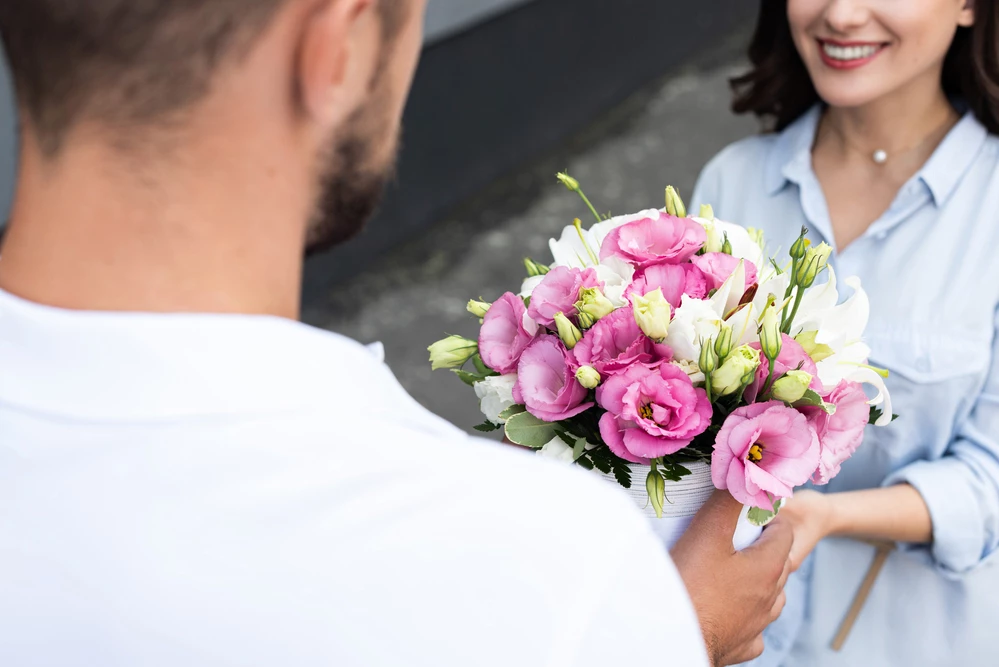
(930, 265)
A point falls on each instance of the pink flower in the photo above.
(661, 240)
(762, 452)
(719, 267)
(675, 280)
(504, 335)
(841, 432)
(616, 342)
(792, 357)
(546, 381)
(651, 412)
(559, 292)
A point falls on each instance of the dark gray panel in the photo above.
(446, 17)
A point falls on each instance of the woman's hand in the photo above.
(810, 515)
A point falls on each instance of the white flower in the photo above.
(694, 322)
(573, 249)
(691, 369)
(557, 450)
(743, 245)
(530, 284)
(496, 395)
(616, 275)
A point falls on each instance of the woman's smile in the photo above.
(849, 55)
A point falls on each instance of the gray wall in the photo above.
(444, 18)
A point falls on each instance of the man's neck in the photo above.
(95, 230)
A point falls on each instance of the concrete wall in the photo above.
(444, 19)
(447, 17)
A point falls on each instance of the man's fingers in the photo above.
(775, 544)
(778, 607)
(718, 517)
(788, 569)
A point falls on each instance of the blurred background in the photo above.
(628, 97)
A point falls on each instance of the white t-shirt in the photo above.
(231, 490)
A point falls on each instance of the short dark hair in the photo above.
(779, 90)
(127, 63)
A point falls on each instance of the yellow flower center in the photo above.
(646, 412)
(756, 453)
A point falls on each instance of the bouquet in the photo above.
(660, 343)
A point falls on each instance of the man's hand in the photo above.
(736, 594)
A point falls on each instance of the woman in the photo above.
(885, 115)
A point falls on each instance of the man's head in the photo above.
(324, 80)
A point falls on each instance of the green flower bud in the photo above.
(792, 387)
(478, 308)
(727, 246)
(568, 181)
(588, 377)
(815, 261)
(723, 345)
(770, 335)
(594, 303)
(736, 372)
(586, 321)
(708, 360)
(707, 212)
(715, 239)
(533, 268)
(800, 247)
(567, 331)
(674, 205)
(653, 314)
(452, 352)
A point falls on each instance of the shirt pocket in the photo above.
(935, 377)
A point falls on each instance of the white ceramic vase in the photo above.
(683, 500)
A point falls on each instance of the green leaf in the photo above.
(813, 400)
(468, 378)
(656, 488)
(579, 448)
(487, 427)
(481, 367)
(511, 411)
(585, 463)
(526, 430)
(674, 472)
(603, 465)
(876, 414)
(760, 517)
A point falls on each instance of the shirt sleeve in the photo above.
(962, 488)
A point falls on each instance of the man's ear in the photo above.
(967, 17)
(333, 68)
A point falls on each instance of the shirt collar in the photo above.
(790, 160)
(127, 367)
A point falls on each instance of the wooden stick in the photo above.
(880, 558)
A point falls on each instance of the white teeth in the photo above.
(847, 53)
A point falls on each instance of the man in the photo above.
(190, 477)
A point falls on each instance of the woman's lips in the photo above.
(849, 55)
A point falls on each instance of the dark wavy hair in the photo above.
(779, 90)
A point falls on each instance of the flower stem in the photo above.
(589, 205)
(789, 322)
(579, 230)
(707, 386)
